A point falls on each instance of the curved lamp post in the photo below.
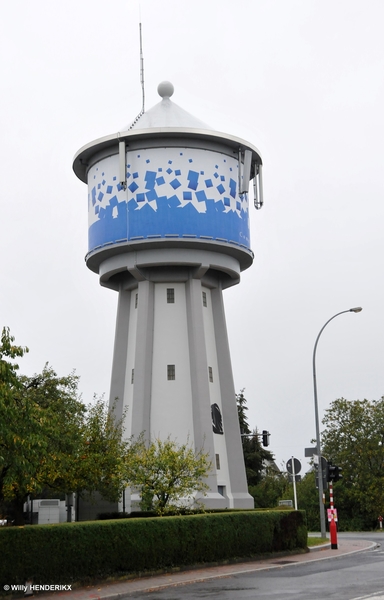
(318, 447)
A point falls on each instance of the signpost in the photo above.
(293, 468)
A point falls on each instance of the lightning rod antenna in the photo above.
(142, 71)
(141, 81)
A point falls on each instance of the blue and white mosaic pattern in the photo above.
(171, 192)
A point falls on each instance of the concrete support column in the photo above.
(241, 498)
(202, 422)
(119, 364)
(141, 404)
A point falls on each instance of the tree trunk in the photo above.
(17, 511)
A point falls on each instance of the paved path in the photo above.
(113, 591)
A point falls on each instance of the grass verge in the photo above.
(316, 541)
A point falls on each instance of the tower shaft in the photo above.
(172, 370)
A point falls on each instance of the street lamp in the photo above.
(318, 448)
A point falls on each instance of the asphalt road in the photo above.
(352, 577)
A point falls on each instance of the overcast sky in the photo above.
(303, 81)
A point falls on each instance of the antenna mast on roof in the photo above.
(122, 148)
(141, 81)
(142, 71)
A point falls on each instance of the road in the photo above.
(353, 577)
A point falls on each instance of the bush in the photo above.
(84, 552)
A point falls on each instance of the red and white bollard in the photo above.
(333, 533)
(332, 518)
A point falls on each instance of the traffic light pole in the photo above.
(318, 446)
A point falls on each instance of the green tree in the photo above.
(58, 415)
(166, 474)
(20, 442)
(241, 408)
(103, 454)
(354, 440)
(256, 457)
(50, 439)
(40, 436)
(308, 499)
(272, 487)
(275, 486)
(10, 438)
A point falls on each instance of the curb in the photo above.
(325, 546)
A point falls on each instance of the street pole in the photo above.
(317, 423)
(294, 482)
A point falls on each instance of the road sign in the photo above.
(332, 514)
(294, 467)
(309, 452)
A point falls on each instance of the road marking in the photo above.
(375, 596)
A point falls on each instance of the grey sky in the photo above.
(303, 81)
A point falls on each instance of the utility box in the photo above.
(286, 503)
(49, 511)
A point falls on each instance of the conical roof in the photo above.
(166, 114)
(164, 120)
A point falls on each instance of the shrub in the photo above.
(83, 552)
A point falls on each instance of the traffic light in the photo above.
(330, 471)
(333, 472)
(338, 474)
(324, 473)
(266, 435)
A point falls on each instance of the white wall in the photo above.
(171, 409)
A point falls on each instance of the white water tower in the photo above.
(169, 231)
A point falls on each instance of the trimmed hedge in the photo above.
(82, 552)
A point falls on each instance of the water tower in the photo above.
(169, 231)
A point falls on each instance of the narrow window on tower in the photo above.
(132, 375)
(218, 462)
(136, 300)
(205, 299)
(170, 295)
(171, 372)
(210, 373)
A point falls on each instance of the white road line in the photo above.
(375, 596)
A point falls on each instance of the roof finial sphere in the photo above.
(165, 89)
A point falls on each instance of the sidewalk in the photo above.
(116, 590)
